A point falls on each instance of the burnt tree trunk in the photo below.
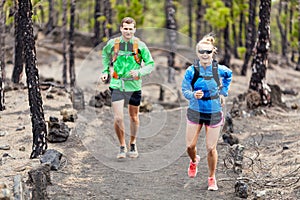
(235, 38)
(227, 55)
(298, 63)
(50, 24)
(241, 25)
(106, 25)
(35, 99)
(64, 38)
(71, 43)
(199, 17)
(282, 30)
(2, 55)
(18, 66)
(97, 14)
(250, 37)
(257, 81)
(171, 26)
(190, 9)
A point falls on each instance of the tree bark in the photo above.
(282, 30)
(298, 63)
(50, 24)
(257, 81)
(227, 55)
(171, 26)
(250, 37)
(71, 44)
(97, 14)
(106, 25)
(235, 38)
(64, 38)
(2, 56)
(190, 9)
(35, 99)
(19, 63)
(199, 19)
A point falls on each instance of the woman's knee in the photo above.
(211, 150)
(191, 148)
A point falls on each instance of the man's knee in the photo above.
(134, 118)
(118, 119)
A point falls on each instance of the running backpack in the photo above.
(198, 75)
(135, 50)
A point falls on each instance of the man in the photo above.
(125, 54)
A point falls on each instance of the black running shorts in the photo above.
(209, 119)
(131, 98)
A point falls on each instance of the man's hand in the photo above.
(104, 77)
(134, 74)
(222, 99)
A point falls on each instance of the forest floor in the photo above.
(90, 170)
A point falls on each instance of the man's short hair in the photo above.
(128, 20)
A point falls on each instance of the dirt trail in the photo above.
(90, 169)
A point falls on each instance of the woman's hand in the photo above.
(198, 94)
(222, 100)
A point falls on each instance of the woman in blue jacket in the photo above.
(206, 98)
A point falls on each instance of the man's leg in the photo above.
(134, 126)
(117, 107)
(134, 122)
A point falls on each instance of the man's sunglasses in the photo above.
(205, 51)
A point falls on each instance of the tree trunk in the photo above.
(50, 24)
(64, 38)
(71, 43)
(298, 63)
(18, 67)
(227, 47)
(199, 19)
(283, 31)
(190, 9)
(35, 99)
(241, 24)
(235, 39)
(2, 55)
(106, 25)
(250, 37)
(171, 26)
(97, 39)
(257, 81)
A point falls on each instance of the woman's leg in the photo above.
(212, 136)
(192, 134)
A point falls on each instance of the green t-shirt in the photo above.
(125, 62)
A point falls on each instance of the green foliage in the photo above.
(218, 15)
(132, 9)
(241, 51)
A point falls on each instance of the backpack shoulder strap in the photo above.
(135, 50)
(215, 72)
(116, 49)
(196, 73)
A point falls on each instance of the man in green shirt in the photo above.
(125, 54)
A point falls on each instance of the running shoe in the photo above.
(212, 184)
(192, 170)
(122, 153)
(133, 153)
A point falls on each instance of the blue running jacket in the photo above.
(209, 87)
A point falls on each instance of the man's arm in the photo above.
(148, 60)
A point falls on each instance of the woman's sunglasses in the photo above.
(205, 51)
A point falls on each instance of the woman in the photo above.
(206, 99)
